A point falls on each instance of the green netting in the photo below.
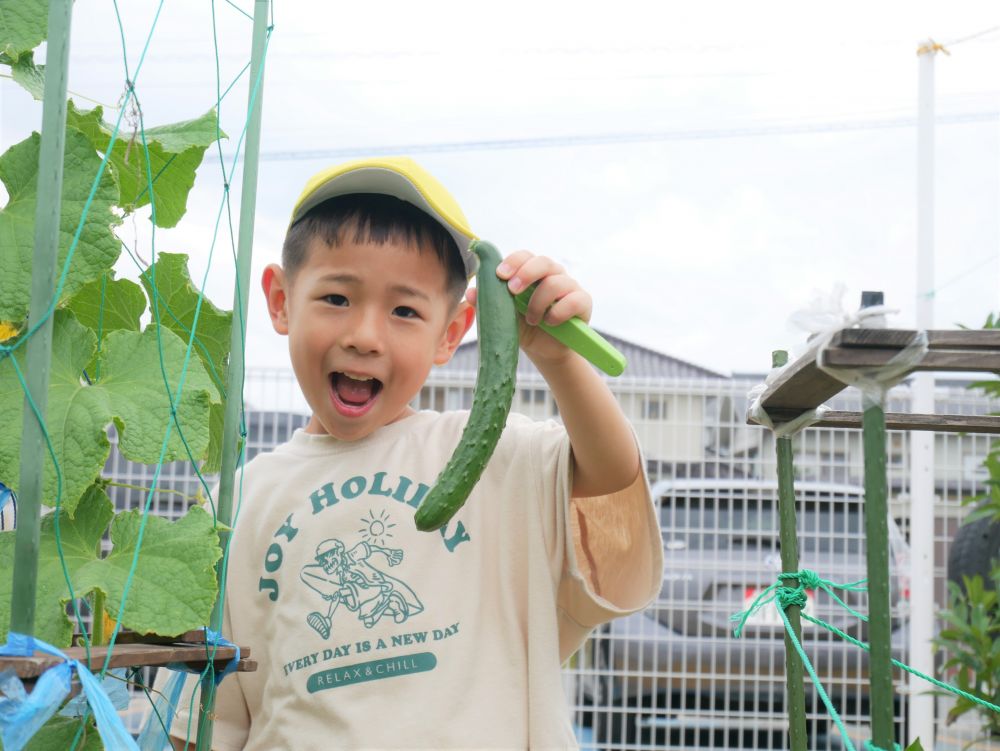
(188, 343)
(783, 596)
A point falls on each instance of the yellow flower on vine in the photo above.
(8, 330)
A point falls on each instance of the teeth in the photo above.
(354, 377)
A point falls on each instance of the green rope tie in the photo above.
(786, 596)
(902, 666)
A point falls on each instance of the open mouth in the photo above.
(353, 394)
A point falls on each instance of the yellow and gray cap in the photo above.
(392, 176)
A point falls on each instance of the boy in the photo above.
(369, 633)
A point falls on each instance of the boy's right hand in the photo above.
(557, 298)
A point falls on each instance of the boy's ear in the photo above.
(275, 285)
(460, 323)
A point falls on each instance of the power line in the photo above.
(959, 277)
(978, 34)
(603, 139)
(307, 50)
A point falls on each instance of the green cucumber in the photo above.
(496, 323)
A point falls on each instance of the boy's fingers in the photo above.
(470, 296)
(533, 269)
(509, 266)
(576, 304)
(548, 291)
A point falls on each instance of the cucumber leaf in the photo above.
(24, 25)
(98, 247)
(174, 586)
(216, 422)
(59, 732)
(175, 152)
(130, 392)
(108, 305)
(175, 297)
(29, 76)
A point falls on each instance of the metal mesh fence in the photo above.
(673, 677)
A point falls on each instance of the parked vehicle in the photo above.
(674, 675)
(974, 551)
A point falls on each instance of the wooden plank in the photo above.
(936, 339)
(131, 655)
(943, 360)
(801, 386)
(197, 636)
(877, 338)
(989, 424)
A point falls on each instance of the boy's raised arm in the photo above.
(605, 456)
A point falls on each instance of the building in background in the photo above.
(655, 390)
(691, 422)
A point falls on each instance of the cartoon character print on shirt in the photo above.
(347, 577)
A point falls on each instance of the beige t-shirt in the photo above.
(371, 634)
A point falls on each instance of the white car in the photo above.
(674, 676)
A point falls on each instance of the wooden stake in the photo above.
(877, 548)
(39, 347)
(794, 671)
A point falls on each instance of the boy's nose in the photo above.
(365, 335)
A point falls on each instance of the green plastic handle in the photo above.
(579, 337)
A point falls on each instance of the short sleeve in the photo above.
(614, 561)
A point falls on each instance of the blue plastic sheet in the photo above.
(155, 735)
(22, 714)
(115, 685)
(8, 510)
(214, 637)
(156, 730)
(5, 495)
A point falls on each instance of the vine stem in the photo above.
(97, 637)
(186, 496)
(77, 94)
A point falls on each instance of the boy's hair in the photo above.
(378, 219)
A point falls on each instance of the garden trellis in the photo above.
(74, 359)
(871, 359)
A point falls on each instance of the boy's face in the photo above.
(364, 323)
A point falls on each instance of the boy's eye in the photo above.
(339, 300)
(404, 311)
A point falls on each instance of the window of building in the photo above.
(533, 396)
(653, 408)
(432, 397)
(897, 448)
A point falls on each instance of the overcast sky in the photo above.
(703, 168)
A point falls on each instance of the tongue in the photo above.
(354, 391)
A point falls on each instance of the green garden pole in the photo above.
(234, 376)
(794, 672)
(877, 537)
(39, 346)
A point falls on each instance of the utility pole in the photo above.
(920, 707)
